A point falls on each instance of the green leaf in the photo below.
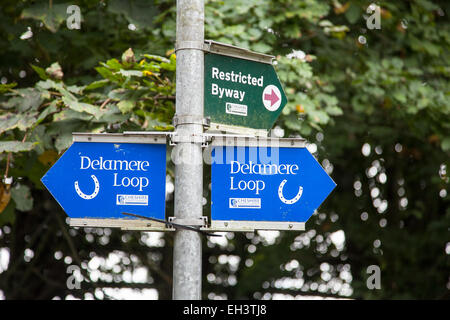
(11, 121)
(446, 144)
(40, 71)
(47, 84)
(105, 73)
(27, 98)
(261, 47)
(114, 64)
(51, 17)
(112, 114)
(63, 141)
(400, 96)
(334, 111)
(27, 120)
(82, 107)
(7, 86)
(96, 84)
(22, 197)
(58, 86)
(126, 106)
(156, 58)
(168, 29)
(8, 215)
(318, 116)
(76, 89)
(129, 73)
(138, 12)
(16, 146)
(168, 66)
(353, 13)
(306, 129)
(43, 140)
(8, 122)
(69, 114)
(293, 123)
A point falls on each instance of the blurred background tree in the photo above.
(372, 102)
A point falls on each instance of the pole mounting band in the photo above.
(192, 138)
(189, 45)
(202, 222)
(190, 119)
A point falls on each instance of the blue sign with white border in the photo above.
(266, 184)
(104, 179)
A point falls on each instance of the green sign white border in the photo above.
(225, 49)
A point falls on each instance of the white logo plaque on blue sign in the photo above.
(100, 180)
(277, 183)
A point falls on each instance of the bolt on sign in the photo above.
(242, 91)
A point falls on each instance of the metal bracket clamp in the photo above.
(202, 222)
(192, 45)
(189, 119)
(193, 138)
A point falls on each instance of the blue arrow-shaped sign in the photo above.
(102, 180)
(266, 184)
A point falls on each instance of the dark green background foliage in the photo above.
(374, 102)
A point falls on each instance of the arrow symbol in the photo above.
(272, 97)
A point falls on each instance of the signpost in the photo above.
(256, 183)
(242, 91)
(101, 176)
(273, 184)
(187, 247)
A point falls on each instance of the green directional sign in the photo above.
(241, 95)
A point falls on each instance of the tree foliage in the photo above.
(373, 104)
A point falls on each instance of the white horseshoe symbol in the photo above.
(293, 200)
(93, 194)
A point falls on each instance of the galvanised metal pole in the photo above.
(187, 256)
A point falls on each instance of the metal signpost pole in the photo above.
(187, 271)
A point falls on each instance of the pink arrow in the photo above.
(272, 97)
